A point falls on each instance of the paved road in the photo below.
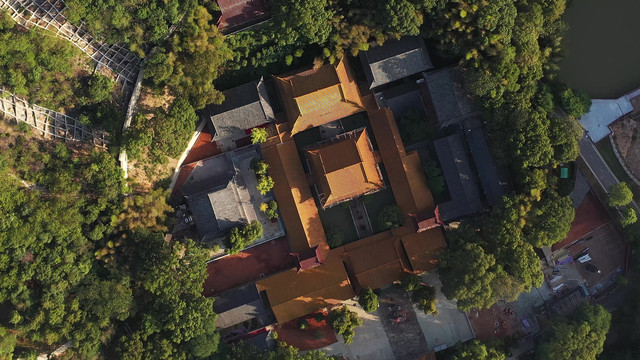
(598, 166)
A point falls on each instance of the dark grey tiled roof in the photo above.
(493, 178)
(449, 100)
(461, 181)
(211, 194)
(239, 305)
(395, 60)
(245, 106)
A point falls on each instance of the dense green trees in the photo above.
(73, 270)
(244, 351)
(473, 350)
(500, 261)
(424, 297)
(581, 336)
(241, 236)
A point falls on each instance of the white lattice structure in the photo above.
(49, 122)
(49, 15)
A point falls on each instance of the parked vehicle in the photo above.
(592, 268)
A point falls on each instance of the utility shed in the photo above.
(460, 178)
(394, 60)
(493, 178)
(244, 107)
(446, 98)
(241, 304)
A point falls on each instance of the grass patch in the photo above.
(339, 217)
(609, 156)
(374, 204)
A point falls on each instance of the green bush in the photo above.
(415, 127)
(629, 217)
(303, 324)
(270, 209)
(265, 184)
(258, 135)
(390, 217)
(259, 167)
(318, 316)
(100, 88)
(368, 300)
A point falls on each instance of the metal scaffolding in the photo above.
(49, 15)
(49, 122)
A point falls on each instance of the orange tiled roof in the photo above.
(292, 294)
(408, 182)
(296, 203)
(345, 168)
(424, 248)
(315, 97)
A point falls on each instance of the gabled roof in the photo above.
(447, 97)
(376, 260)
(293, 294)
(239, 305)
(424, 248)
(237, 14)
(344, 168)
(296, 203)
(394, 60)
(244, 107)
(493, 179)
(314, 97)
(408, 182)
(461, 180)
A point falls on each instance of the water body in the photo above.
(603, 47)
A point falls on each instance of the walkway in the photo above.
(605, 111)
(49, 15)
(48, 122)
(598, 166)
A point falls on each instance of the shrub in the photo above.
(303, 324)
(410, 282)
(415, 127)
(265, 184)
(390, 217)
(270, 209)
(318, 316)
(334, 236)
(344, 323)
(368, 300)
(259, 166)
(258, 135)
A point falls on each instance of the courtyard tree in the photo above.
(241, 236)
(265, 184)
(344, 322)
(619, 195)
(335, 237)
(410, 282)
(424, 297)
(368, 300)
(390, 217)
(580, 336)
(473, 350)
(258, 135)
